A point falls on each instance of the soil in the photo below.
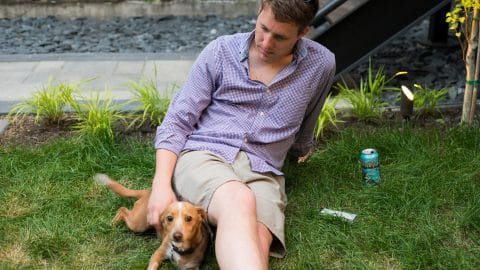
(29, 133)
(25, 131)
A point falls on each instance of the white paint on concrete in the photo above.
(226, 8)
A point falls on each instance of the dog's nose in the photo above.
(177, 236)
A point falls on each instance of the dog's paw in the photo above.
(152, 266)
(102, 179)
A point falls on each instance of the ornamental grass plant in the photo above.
(48, 104)
(423, 215)
(328, 117)
(97, 116)
(152, 105)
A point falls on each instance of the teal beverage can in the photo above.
(370, 166)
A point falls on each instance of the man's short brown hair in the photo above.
(299, 12)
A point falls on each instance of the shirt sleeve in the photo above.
(304, 138)
(189, 103)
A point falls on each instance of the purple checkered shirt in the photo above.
(220, 109)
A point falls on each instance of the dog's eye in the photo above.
(169, 218)
(188, 218)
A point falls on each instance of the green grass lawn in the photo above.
(425, 214)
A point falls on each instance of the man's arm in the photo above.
(303, 146)
(162, 193)
(183, 113)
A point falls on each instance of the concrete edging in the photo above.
(3, 125)
(224, 8)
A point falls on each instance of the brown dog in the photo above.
(184, 228)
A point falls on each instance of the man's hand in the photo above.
(162, 193)
(305, 157)
(159, 200)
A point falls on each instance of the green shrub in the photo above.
(328, 117)
(366, 106)
(426, 99)
(366, 99)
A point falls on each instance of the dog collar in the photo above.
(183, 252)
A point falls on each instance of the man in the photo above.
(248, 100)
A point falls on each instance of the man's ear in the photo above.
(304, 32)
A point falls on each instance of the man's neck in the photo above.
(265, 71)
(274, 63)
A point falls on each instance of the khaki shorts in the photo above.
(198, 174)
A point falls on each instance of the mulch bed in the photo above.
(26, 132)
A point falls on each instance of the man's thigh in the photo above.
(198, 174)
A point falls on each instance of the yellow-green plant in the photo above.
(366, 106)
(97, 116)
(366, 99)
(48, 103)
(464, 20)
(328, 116)
(460, 17)
(426, 99)
(153, 106)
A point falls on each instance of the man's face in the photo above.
(274, 40)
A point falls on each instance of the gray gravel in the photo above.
(45, 35)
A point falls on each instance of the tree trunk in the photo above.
(471, 81)
(477, 78)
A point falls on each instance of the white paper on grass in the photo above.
(335, 213)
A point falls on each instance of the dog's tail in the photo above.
(118, 188)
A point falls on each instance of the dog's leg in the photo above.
(128, 216)
(158, 256)
(194, 268)
(121, 215)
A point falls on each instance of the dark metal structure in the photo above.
(371, 25)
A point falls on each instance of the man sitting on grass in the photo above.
(248, 100)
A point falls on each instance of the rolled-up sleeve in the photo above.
(189, 103)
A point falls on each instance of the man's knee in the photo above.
(233, 197)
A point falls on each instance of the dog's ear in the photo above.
(203, 214)
(201, 211)
(163, 220)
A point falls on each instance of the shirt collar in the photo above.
(300, 50)
(245, 46)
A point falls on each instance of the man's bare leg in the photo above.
(241, 242)
(266, 239)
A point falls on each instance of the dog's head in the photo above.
(183, 224)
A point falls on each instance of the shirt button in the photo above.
(245, 140)
(261, 114)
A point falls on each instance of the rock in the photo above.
(128, 35)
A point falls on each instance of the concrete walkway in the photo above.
(23, 75)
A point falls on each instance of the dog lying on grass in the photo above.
(184, 227)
